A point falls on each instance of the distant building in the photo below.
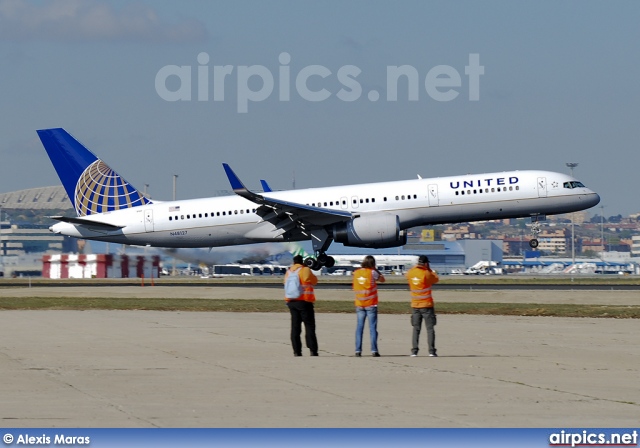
(635, 245)
(44, 198)
(24, 239)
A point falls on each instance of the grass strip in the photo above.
(275, 306)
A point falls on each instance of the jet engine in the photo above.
(377, 231)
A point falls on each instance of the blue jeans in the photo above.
(362, 313)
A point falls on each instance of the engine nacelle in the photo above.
(376, 231)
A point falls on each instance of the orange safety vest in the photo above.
(365, 287)
(420, 281)
(307, 280)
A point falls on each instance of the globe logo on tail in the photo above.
(100, 189)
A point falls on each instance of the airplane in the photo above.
(372, 215)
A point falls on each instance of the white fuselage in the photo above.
(231, 220)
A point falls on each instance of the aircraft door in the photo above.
(542, 187)
(434, 201)
(354, 201)
(148, 220)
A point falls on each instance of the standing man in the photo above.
(421, 278)
(300, 303)
(365, 285)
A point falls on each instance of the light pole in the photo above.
(573, 238)
(602, 230)
(1, 246)
(175, 180)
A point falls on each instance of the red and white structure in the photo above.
(100, 266)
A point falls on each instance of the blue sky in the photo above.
(560, 84)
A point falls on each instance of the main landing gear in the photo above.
(322, 259)
(321, 242)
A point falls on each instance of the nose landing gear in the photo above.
(535, 229)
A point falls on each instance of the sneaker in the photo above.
(433, 355)
(314, 353)
(413, 355)
(297, 354)
(358, 354)
(375, 354)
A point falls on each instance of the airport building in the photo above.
(23, 240)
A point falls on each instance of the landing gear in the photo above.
(535, 230)
(321, 242)
(322, 259)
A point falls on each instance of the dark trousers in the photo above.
(302, 312)
(429, 317)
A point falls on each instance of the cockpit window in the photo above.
(573, 184)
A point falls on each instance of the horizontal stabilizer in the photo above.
(87, 222)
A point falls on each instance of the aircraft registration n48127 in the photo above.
(374, 215)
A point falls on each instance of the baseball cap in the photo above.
(423, 259)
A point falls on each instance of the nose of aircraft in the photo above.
(593, 199)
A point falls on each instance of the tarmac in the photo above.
(118, 369)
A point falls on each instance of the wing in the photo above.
(287, 216)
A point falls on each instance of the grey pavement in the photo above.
(206, 369)
(400, 295)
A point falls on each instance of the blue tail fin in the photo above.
(91, 185)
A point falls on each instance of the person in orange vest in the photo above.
(365, 285)
(300, 303)
(421, 278)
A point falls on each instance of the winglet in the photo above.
(239, 188)
(236, 183)
(265, 186)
